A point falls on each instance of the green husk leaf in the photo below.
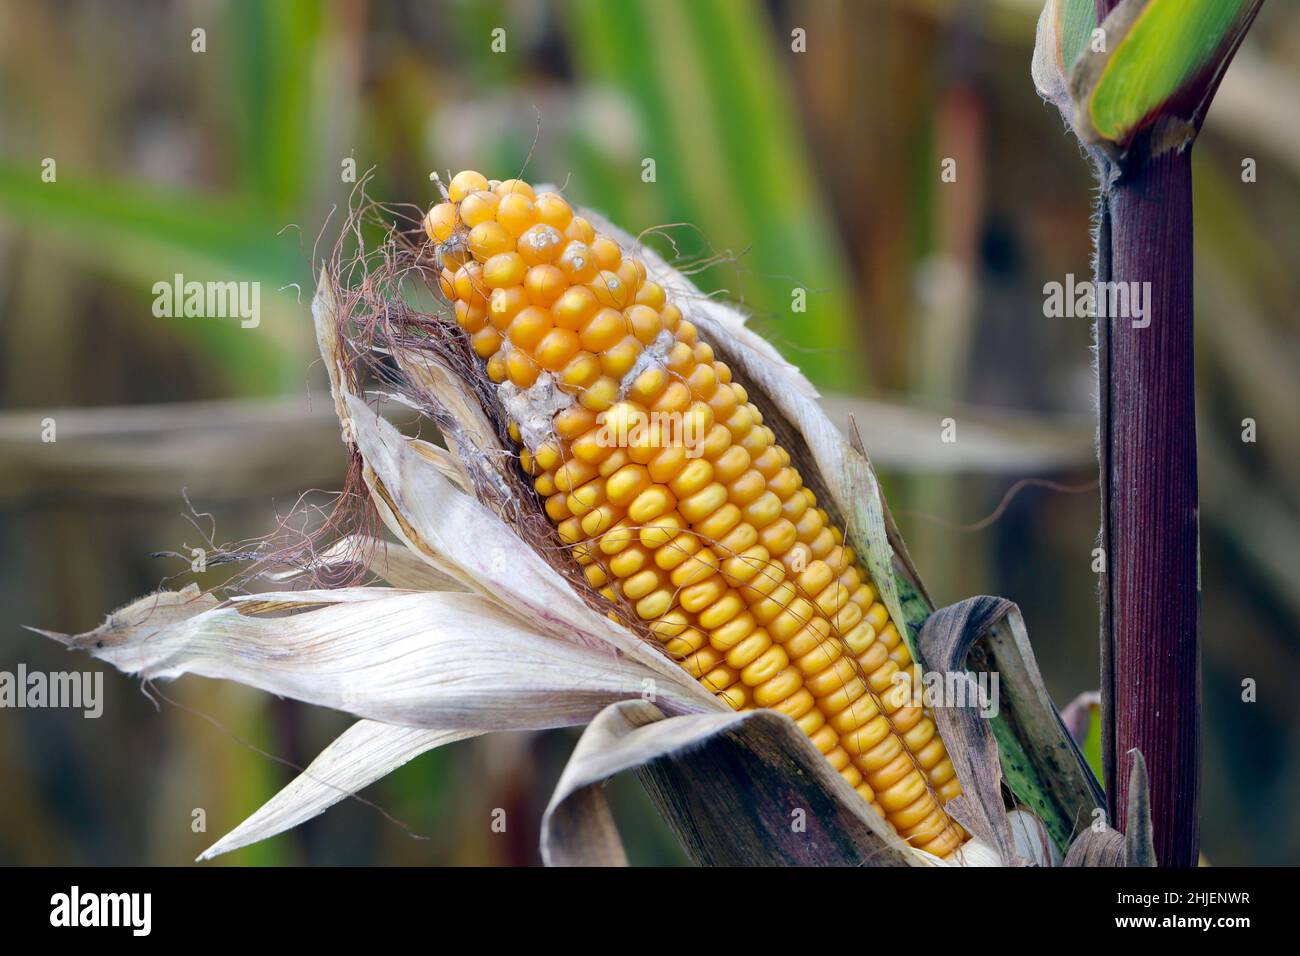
(1162, 62)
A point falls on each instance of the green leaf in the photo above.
(1162, 62)
(144, 235)
(705, 83)
(270, 71)
(1076, 19)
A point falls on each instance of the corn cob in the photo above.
(718, 546)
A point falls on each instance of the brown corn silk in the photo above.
(677, 501)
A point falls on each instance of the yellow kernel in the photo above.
(479, 207)
(580, 230)
(669, 463)
(468, 284)
(626, 483)
(540, 244)
(577, 263)
(632, 272)
(553, 210)
(548, 456)
(574, 420)
(557, 510)
(520, 368)
(673, 400)
(628, 562)
(605, 329)
(699, 567)
(574, 307)
(590, 496)
(650, 294)
(778, 688)
(447, 283)
(644, 322)
(486, 341)
(572, 474)
(650, 504)
(528, 327)
(663, 529)
(556, 348)
(618, 359)
(440, 223)
(515, 213)
(766, 666)
(505, 304)
(611, 290)
(647, 386)
(721, 611)
(465, 182)
(655, 604)
(763, 511)
(671, 554)
(696, 475)
(581, 372)
(544, 284)
(704, 502)
(606, 251)
(600, 394)
(515, 187)
(488, 239)
(469, 317)
(503, 270)
(699, 596)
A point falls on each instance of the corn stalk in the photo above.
(1135, 78)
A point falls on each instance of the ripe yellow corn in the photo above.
(677, 499)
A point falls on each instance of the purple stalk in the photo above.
(1151, 654)
(1151, 596)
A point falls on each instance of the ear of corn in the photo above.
(660, 474)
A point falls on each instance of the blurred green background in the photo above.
(817, 169)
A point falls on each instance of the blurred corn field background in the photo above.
(788, 160)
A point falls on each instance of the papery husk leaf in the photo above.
(1096, 846)
(396, 565)
(1101, 845)
(469, 433)
(362, 754)
(141, 618)
(1034, 753)
(441, 660)
(728, 785)
(1033, 843)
